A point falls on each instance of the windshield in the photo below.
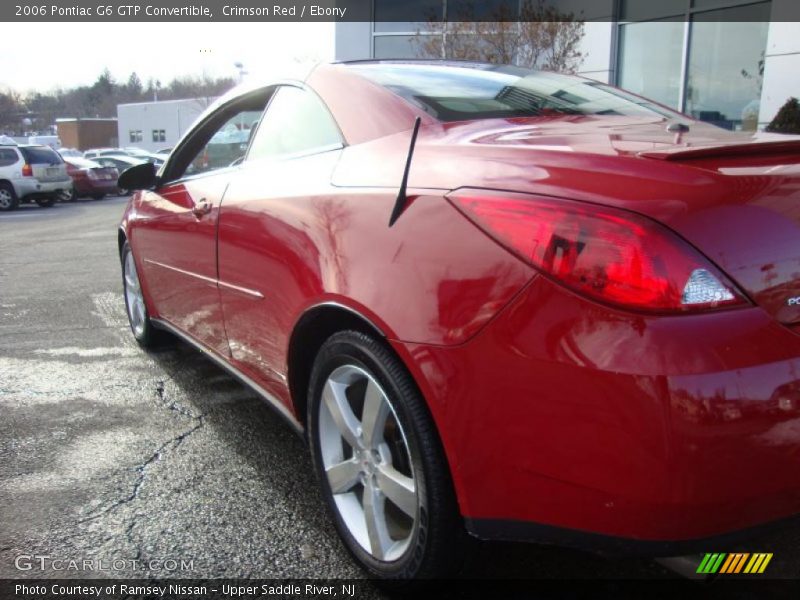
(458, 92)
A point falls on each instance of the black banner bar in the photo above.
(407, 11)
(744, 587)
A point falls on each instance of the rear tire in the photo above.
(138, 317)
(69, 195)
(8, 197)
(380, 463)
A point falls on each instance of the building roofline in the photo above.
(76, 119)
(175, 101)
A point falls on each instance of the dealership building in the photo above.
(730, 62)
(156, 125)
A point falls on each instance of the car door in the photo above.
(267, 253)
(176, 238)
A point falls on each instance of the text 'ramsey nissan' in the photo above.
(507, 303)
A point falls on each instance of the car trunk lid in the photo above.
(753, 234)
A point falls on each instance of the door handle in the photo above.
(201, 208)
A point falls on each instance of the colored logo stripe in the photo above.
(711, 563)
(735, 562)
(758, 563)
(721, 562)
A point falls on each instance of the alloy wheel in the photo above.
(133, 296)
(6, 200)
(367, 463)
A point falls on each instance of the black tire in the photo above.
(8, 197)
(69, 195)
(123, 192)
(148, 336)
(46, 202)
(438, 542)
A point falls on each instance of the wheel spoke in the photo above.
(343, 476)
(375, 518)
(339, 407)
(376, 409)
(139, 310)
(131, 282)
(400, 489)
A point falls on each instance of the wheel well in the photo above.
(314, 327)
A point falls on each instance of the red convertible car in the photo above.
(497, 302)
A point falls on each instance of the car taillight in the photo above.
(607, 254)
(27, 170)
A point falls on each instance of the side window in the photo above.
(7, 157)
(227, 146)
(296, 122)
(222, 139)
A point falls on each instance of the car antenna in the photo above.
(400, 203)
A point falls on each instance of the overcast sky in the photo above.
(44, 56)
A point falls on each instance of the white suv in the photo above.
(31, 173)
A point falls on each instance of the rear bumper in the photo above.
(33, 188)
(526, 531)
(87, 187)
(567, 414)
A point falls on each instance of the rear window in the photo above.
(40, 155)
(466, 91)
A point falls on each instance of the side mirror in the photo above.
(138, 177)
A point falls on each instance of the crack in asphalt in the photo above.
(141, 469)
(173, 406)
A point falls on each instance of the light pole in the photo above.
(241, 69)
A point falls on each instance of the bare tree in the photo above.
(539, 36)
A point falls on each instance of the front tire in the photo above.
(138, 317)
(380, 463)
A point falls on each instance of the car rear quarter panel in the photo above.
(299, 241)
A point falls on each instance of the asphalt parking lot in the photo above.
(109, 452)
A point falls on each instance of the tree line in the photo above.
(37, 111)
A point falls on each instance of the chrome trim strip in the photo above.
(181, 271)
(235, 288)
(272, 400)
(244, 291)
(348, 309)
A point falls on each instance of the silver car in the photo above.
(31, 173)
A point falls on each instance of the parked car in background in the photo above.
(500, 302)
(90, 178)
(95, 152)
(31, 173)
(120, 162)
(134, 151)
(164, 151)
(156, 159)
(74, 152)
